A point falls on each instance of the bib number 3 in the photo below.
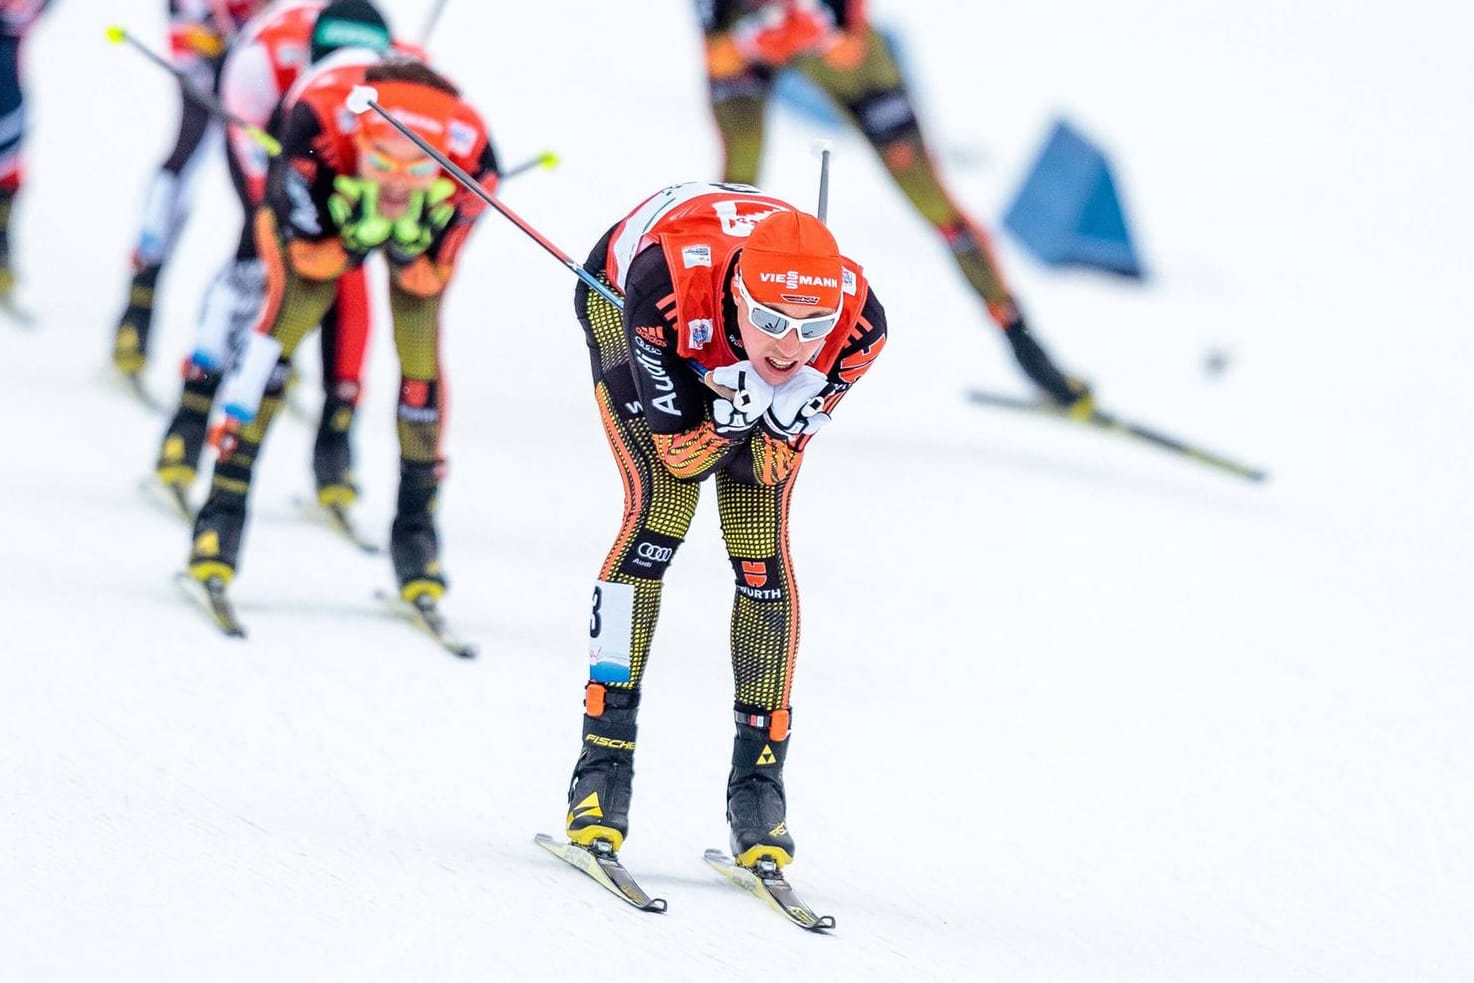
(611, 624)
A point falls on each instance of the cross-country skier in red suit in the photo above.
(724, 283)
(344, 186)
(264, 62)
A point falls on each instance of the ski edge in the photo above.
(171, 498)
(429, 621)
(211, 600)
(609, 873)
(776, 892)
(336, 518)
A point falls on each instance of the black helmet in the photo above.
(349, 24)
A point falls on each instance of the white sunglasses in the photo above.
(778, 324)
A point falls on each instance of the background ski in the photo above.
(133, 385)
(1126, 428)
(768, 883)
(211, 598)
(337, 519)
(22, 317)
(604, 868)
(173, 499)
(425, 615)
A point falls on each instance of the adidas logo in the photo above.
(651, 333)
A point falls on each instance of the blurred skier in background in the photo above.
(344, 186)
(16, 18)
(263, 63)
(757, 294)
(199, 33)
(831, 41)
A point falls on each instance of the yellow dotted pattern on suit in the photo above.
(765, 618)
(754, 518)
(417, 341)
(303, 304)
(653, 499)
(608, 326)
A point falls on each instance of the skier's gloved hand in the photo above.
(798, 404)
(751, 397)
(426, 216)
(354, 207)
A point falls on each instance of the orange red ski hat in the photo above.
(429, 112)
(791, 258)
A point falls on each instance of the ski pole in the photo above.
(365, 97)
(430, 21)
(547, 159)
(1110, 422)
(118, 35)
(821, 147)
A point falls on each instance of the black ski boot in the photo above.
(217, 537)
(414, 545)
(603, 777)
(184, 441)
(130, 344)
(221, 520)
(756, 806)
(332, 455)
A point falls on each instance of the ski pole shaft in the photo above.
(436, 9)
(823, 211)
(546, 159)
(266, 141)
(365, 98)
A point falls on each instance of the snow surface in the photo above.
(1086, 711)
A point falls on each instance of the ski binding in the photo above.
(766, 882)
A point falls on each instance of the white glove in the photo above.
(751, 397)
(797, 404)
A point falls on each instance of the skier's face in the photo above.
(776, 359)
(399, 168)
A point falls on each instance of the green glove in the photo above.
(428, 214)
(354, 206)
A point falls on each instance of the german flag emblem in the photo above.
(755, 572)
